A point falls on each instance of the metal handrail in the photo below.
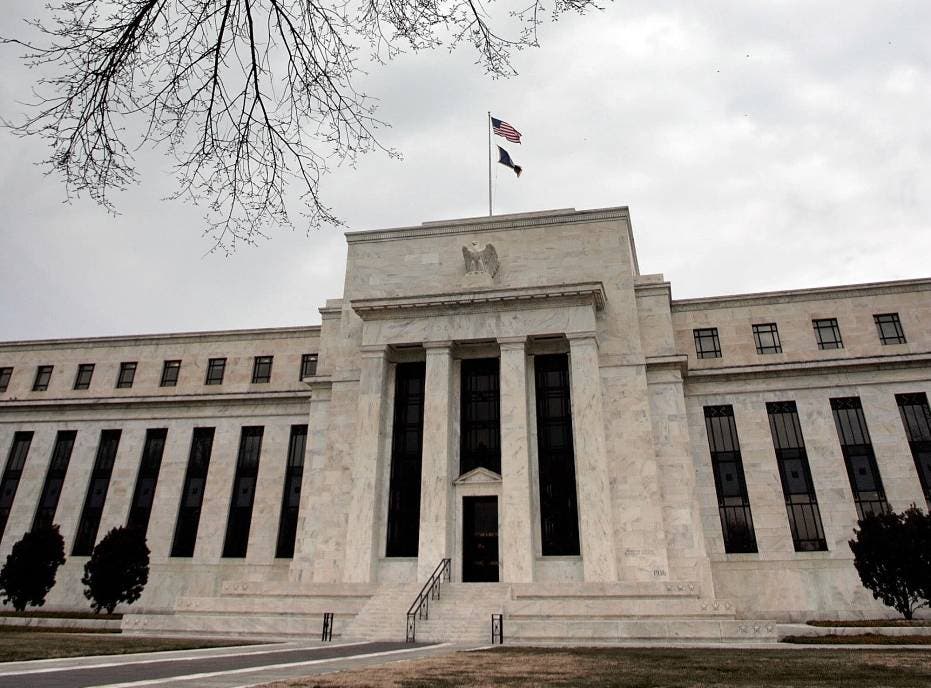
(420, 607)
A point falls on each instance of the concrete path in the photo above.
(227, 667)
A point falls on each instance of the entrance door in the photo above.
(480, 539)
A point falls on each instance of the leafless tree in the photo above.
(247, 96)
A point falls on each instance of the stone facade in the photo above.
(512, 288)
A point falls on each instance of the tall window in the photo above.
(140, 508)
(247, 471)
(308, 365)
(262, 369)
(83, 378)
(729, 481)
(855, 442)
(12, 474)
(54, 479)
(795, 474)
(170, 371)
(96, 493)
(480, 426)
(766, 337)
(559, 515)
(827, 333)
(406, 448)
(889, 328)
(5, 374)
(127, 375)
(215, 369)
(192, 494)
(43, 377)
(707, 344)
(916, 417)
(291, 498)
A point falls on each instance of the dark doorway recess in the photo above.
(479, 539)
(480, 427)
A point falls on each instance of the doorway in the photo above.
(480, 539)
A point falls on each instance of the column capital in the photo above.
(438, 347)
(373, 350)
(581, 337)
(512, 343)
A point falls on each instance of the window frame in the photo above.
(896, 322)
(262, 361)
(306, 360)
(127, 374)
(170, 365)
(41, 370)
(6, 375)
(700, 334)
(80, 383)
(821, 325)
(212, 365)
(765, 349)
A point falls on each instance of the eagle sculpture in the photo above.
(479, 260)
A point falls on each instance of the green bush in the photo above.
(892, 553)
(117, 570)
(30, 568)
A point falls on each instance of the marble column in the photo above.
(516, 520)
(370, 428)
(437, 470)
(593, 485)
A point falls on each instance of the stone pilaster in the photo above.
(591, 464)
(437, 470)
(370, 425)
(516, 516)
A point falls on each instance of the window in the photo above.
(559, 514)
(262, 369)
(308, 365)
(96, 494)
(215, 369)
(862, 471)
(5, 375)
(406, 453)
(890, 328)
(916, 417)
(827, 334)
(729, 481)
(795, 474)
(247, 470)
(170, 371)
(12, 474)
(141, 507)
(706, 342)
(43, 376)
(291, 498)
(126, 376)
(767, 339)
(480, 426)
(192, 494)
(54, 479)
(83, 379)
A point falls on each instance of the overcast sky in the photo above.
(759, 146)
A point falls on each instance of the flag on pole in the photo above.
(505, 160)
(502, 128)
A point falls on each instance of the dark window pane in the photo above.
(126, 376)
(480, 426)
(43, 377)
(170, 371)
(706, 343)
(58, 468)
(857, 447)
(146, 479)
(729, 482)
(96, 493)
(308, 365)
(192, 493)
(916, 417)
(5, 374)
(215, 369)
(767, 339)
(406, 454)
(83, 378)
(16, 461)
(827, 333)
(291, 496)
(243, 496)
(890, 328)
(262, 369)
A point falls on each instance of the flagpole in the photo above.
(490, 213)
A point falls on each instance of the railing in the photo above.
(429, 591)
(327, 634)
(497, 629)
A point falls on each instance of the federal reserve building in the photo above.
(505, 402)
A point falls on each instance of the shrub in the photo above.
(117, 570)
(30, 568)
(891, 555)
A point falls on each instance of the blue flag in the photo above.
(505, 160)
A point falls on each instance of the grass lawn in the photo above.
(626, 668)
(17, 647)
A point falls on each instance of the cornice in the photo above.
(812, 367)
(495, 224)
(590, 292)
(64, 403)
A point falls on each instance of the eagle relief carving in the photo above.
(480, 260)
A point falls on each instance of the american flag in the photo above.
(502, 128)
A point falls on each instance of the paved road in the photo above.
(224, 667)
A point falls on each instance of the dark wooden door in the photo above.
(480, 539)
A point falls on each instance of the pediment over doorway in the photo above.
(478, 476)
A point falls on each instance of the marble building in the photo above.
(596, 459)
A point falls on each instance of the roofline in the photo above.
(810, 294)
(257, 333)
